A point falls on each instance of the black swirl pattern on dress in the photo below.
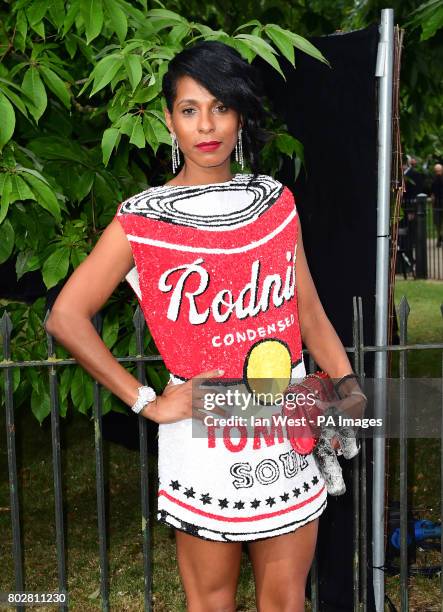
(162, 203)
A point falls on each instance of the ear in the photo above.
(168, 119)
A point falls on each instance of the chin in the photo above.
(210, 164)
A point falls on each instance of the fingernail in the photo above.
(221, 371)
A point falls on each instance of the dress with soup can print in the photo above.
(215, 277)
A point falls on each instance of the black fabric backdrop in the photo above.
(333, 112)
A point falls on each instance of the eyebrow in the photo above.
(191, 101)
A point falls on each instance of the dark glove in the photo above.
(351, 404)
(352, 401)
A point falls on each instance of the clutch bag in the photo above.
(299, 402)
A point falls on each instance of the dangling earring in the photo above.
(175, 153)
(239, 150)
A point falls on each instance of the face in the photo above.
(198, 118)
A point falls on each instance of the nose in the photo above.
(206, 121)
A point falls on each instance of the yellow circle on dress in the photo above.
(268, 369)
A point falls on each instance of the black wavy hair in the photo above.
(222, 71)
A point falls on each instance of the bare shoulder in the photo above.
(113, 245)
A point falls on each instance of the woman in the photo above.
(211, 258)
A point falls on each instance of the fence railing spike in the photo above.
(6, 330)
(138, 319)
(48, 312)
(6, 324)
(97, 322)
(404, 306)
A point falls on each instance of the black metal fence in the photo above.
(361, 558)
(420, 245)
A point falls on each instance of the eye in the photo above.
(222, 108)
(184, 111)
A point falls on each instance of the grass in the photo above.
(425, 325)
(123, 495)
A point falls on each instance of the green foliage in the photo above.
(82, 127)
(421, 78)
(428, 16)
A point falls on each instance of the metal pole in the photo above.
(421, 239)
(384, 70)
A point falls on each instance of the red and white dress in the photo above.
(215, 277)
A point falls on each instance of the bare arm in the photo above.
(85, 292)
(317, 332)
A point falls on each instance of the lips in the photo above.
(209, 146)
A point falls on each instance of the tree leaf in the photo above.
(64, 388)
(21, 29)
(43, 193)
(263, 49)
(36, 11)
(39, 27)
(431, 25)
(150, 136)
(33, 87)
(56, 267)
(70, 45)
(7, 241)
(20, 190)
(84, 185)
(145, 94)
(246, 52)
(26, 261)
(134, 69)
(65, 381)
(40, 403)
(254, 22)
(6, 196)
(105, 71)
(74, 8)
(14, 99)
(285, 144)
(137, 135)
(7, 121)
(82, 390)
(59, 148)
(304, 45)
(258, 44)
(118, 19)
(57, 12)
(104, 189)
(107, 401)
(56, 85)
(110, 331)
(77, 256)
(178, 33)
(164, 14)
(92, 13)
(281, 41)
(154, 378)
(109, 140)
(160, 131)
(125, 124)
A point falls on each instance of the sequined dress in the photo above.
(215, 276)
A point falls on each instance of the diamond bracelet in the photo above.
(145, 395)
